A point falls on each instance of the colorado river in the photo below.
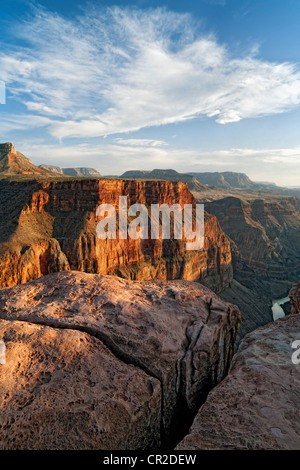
(277, 310)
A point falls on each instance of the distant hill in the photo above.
(52, 168)
(135, 174)
(14, 163)
(169, 174)
(81, 171)
(226, 180)
(231, 180)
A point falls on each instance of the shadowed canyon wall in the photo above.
(265, 235)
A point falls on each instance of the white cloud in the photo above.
(22, 122)
(118, 70)
(108, 158)
(141, 142)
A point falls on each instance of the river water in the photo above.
(277, 310)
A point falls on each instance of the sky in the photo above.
(194, 85)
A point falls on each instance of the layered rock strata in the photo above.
(265, 235)
(51, 226)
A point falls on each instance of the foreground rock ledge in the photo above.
(257, 405)
(99, 362)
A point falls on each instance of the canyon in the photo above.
(51, 226)
(250, 256)
(133, 344)
(264, 233)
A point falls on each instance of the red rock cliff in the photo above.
(51, 226)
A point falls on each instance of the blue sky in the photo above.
(200, 85)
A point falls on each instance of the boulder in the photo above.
(172, 341)
(256, 406)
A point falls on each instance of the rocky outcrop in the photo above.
(14, 163)
(51, 226)
(294, 295)
(257, 405)
(59, 391)
(100, 362)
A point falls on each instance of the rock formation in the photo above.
(264, 232)
(51, 226)
(294, 295)
(79, 172)
(256, 407)
(14, 163)
(100, 362)
(265, 235)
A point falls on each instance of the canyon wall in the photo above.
(51, 226)
(265, 239)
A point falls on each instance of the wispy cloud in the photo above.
(114, 71)
(141, 142)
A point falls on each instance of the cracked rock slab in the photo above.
(63, 389)
(257, 405)
(177, 333)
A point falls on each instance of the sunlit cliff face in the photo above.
(53, 228)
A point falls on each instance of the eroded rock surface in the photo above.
(257, 405)
(63, 389)
(170, 342)
(294, 295)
